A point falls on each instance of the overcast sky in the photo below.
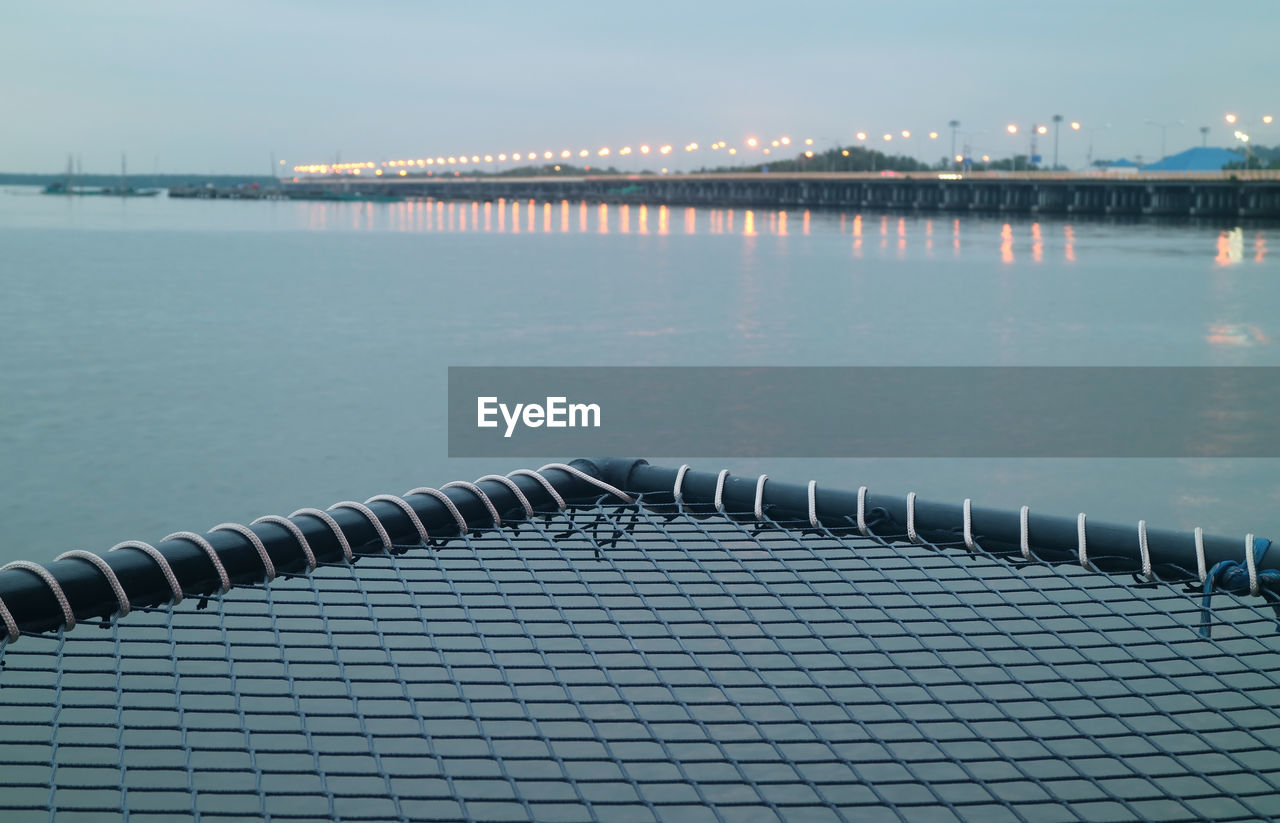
(219, 86)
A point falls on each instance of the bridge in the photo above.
(1254, 194)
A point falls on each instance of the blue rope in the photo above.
(1233, 576)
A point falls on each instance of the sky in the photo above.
(223, 87)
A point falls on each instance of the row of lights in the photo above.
(533, 156)
(751, 143)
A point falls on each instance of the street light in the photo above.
(1089, 156)
(1164, 127)
(954, 124)
(1057, 123)
(1244, 138)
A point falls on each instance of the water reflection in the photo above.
(1236, 335)
(1230, 247)
(900, 235)
(1006, 243)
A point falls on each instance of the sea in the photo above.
(173, 364)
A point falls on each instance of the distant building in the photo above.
(1201, 158)
(1121, 166)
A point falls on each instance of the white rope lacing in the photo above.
(68, 617)
(1024, 532)
(160, 560)
(546, 485)
(1252, 563)
(10, 624)
(404, 506)
(448, 504)
(676, 490)
(327, 519)
(813, 504)
(478, 492)
(599, 484)
(719, 498)
(862, 511)
(911, 518)
(1145, 552)
(371, 517)
(109, 573)
(247, 534)
(1201, 566)
(968, 524)
(298, 536)
(759, 507)
(207, 548)
(1083, 545)
(511, 484)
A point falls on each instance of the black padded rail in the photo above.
(35, 608)
(1111, 547)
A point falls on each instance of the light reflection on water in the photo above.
(912, 233)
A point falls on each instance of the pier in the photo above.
(1253, 194)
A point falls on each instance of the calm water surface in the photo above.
(170, 365)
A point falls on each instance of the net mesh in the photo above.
(635, 662)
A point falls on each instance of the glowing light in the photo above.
(488, 158)
(888, 136)
(959, 158)
(1266, 118)
(439, 161)
(644, 149)
(378, 172)
(583, 153)
(775, 144)
(625, 150)
(906, 133)
(693, 147)
(1042, 129)
(515, 156)
(786, 141)
(453, 161)
(463, 159)
(808, 154)
(546, 155)
(402, 172)
(1075, 125)
(808, 141)
(933, 135)
(665, 150)
(502, 158)
(475, 158)
(845, 152)
(986, 158)
(565, 154)
(1011, 128)
(767, 151)
(604, 152)
(1231, 118)
(752, 142)
(862, 135)
(733, 151)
